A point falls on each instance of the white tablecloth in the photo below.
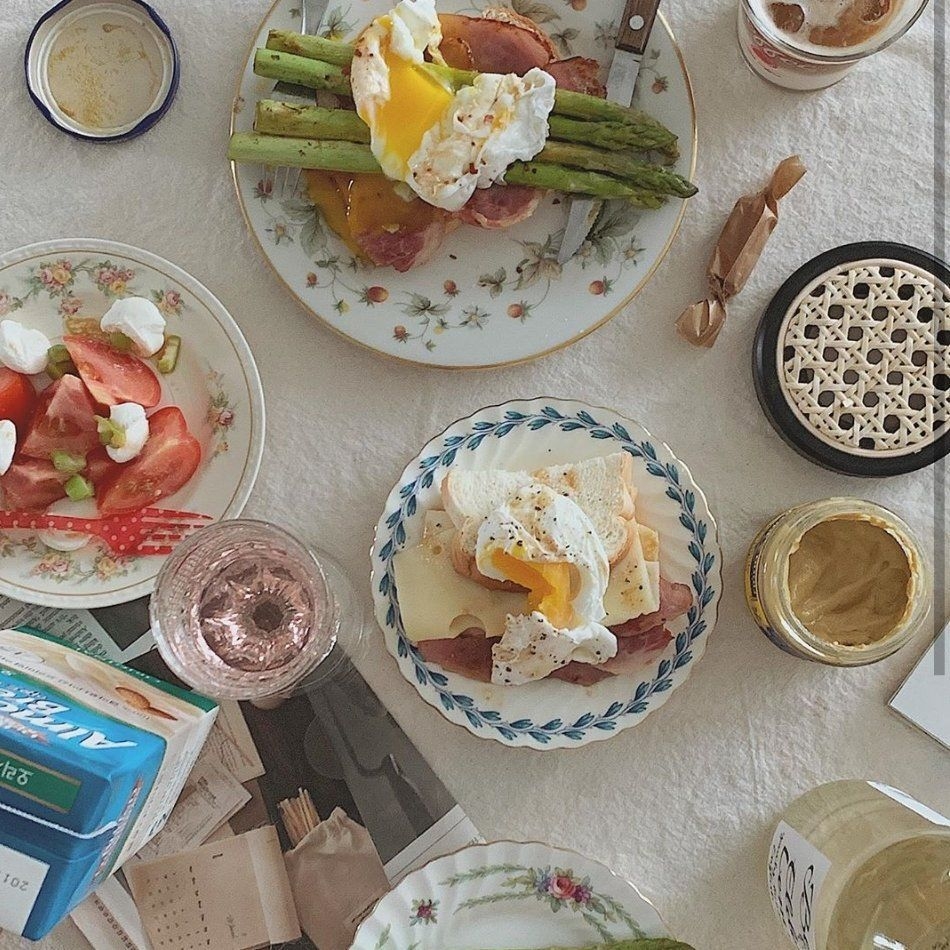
(684, 804)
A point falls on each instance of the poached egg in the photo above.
(544, 542)
(442, 144)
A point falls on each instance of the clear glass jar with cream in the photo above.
(841, 581)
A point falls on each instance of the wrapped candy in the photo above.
(740, 244)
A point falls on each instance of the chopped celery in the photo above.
(120, 341)
(110, 433)
(59, 370)
(58, 354)
(168, 355)
(68, 462)
(79, 488)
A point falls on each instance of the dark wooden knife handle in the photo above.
(636, 24)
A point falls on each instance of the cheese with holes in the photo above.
(435, 602)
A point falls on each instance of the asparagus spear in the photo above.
(273, 117)
(312, 73)
(615, 136)
(302, 153)
(357, 158)
(313, 47)
(278, 62)
(315, 122)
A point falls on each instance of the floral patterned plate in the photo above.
(508, 894)
(65, 286)
(529, 435)
(487, 298)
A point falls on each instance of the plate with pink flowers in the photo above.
(509, 894)
(62, 289)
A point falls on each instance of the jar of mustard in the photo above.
(841, 581)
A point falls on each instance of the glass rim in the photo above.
(185, 664)
(780, 39)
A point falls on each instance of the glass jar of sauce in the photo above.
(841, 581)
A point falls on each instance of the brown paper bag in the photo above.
(740, 244)
(336, 877)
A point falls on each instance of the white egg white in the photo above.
(538, 526)
(492, 123)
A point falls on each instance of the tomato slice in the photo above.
(99, 466)
(32, 484)
(17, 398)
(112, 376)
(169, 459)
(64, 420)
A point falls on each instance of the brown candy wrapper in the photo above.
(736, 253)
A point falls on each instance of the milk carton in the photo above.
(93, 756)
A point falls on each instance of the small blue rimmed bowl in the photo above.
(102, 70)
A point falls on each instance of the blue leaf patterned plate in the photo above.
(62, 287)
(486, 298)
(508, 894)
(528, 435)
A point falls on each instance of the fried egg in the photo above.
(443, 144)
(544, 542)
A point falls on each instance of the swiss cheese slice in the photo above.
(435, 602)
(634, 588)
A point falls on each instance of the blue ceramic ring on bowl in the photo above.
(102, 70)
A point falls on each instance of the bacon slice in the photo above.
(500, 206)
(675, 600)
(635, 654)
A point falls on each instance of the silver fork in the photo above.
(285, 179)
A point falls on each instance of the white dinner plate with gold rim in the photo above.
(531, 434)
(49, 286)
(487, 298)
(509, 894)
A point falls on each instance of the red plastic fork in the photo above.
(150, 531)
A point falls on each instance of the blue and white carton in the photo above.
(93, 757)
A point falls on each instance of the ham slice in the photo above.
(578, 74)
(468, 654)
(500, 206)
(404, 248)
(491, 46)
(675, 600)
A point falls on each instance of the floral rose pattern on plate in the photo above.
(60, 566)
(455, 310)
(424, 911)
(559, 888)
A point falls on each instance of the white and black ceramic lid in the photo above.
(102, 70)
(851, 359)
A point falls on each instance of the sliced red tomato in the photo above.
(112, 376)
(17, 398)
(63, 421)
(99, 465)
(32, 484)
(169, 459)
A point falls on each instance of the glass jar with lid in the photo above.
(841, 581)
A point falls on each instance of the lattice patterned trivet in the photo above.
(852, 359)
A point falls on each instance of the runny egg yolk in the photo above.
(416, 102)
(548, 585)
